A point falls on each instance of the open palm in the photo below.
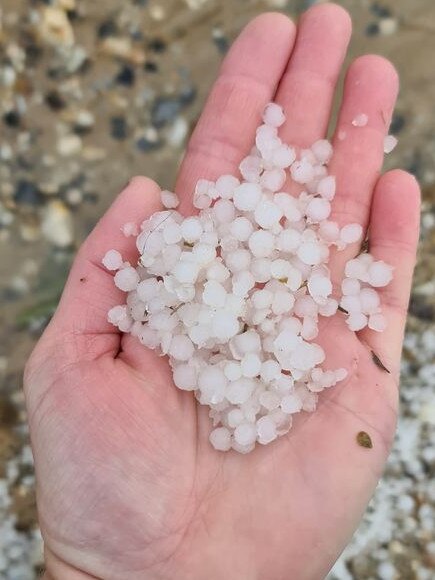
(128, 485)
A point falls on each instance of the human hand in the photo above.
(128, 485)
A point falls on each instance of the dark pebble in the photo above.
(220, 40)
(140, 2)
(151, 67)
(126, 76)
(381, 11)
(27, 193)
(419, 308)
(55, 101)
(118, 128)
(145, 145)
(157, 45)
(91, 197)
(372, 29)
(165, 110)
(12, 119)
(107, 28)
(415, 165)
(187, 95)
(397, 123)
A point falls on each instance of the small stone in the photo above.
(364, 440)
(57, 224)
(69, 145)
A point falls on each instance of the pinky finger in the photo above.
(393, 235)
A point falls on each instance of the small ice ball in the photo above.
(186, 272)
(377, 322)
(356, 268)
(191, 229)
(126, 279)
(288, 240)
(239, 260)
(202, 201)
(261, 243)
(351, 304)
(214, 294)
(390, 143)
(273, 179)
(310, 253)
(322, 150)
(247, 342)
(262, 299)
(350, 287)
(267, 214)
(212, 382)
(291, 404)
(329, 231)
(172, 233)
(184, 377)
(266, 430)
(217, 271)
(233, 370)
(241, 228)
(225, 325)
(283, 156)
(247, 196)
(329, 308)
(226, 184)
(242, 282)
(117, 314)
(289, 206)
(273, 115)
(235, 417)
(280, 269)
(370, 300)
(238, 392)
(250, 365)
(319, 285)
(326, 187)
(130, 229)
(341, 374)
(148, 289)
(224, 211)
(283, 302)
(302, 171)
(351, 233)
(251, 168)
(380, 274)
(169, 199)
(220, 438)
(260, 269)
(245, 434)
(318, 209)
(270, 370)
(356, 321)
(112, 260)
(360, 120)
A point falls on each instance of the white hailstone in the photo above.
(319, 285)
(286, 341)
(202, 201)
(204, 254)
(288, 240)
(341, 374)
(273, 115)
(270, 370)
(247, 196)
(126, 279)
(217, 271)
(233, 371)
(380, 274)
(267, 214)
(351, 233)
(224, 211)
(225, 325)
(370, 301)
(245, 343)
(310, 253)
(280, 269)
(390, 143)
(241, 228)
(242, 282)
(322, 150)
(302, 171)
(326, 187)
(186, 272)
(260, 270)
(261, 243)
(318, 209)
(266, 430)
(211, 380)
(112, 260)
(191, 229)
(185, 377)
(245, 434)
(283, 156)
(309, 328)
(238, 261)
(356, 269)
(235, 417)
(360, 120)
(377, 322)
(239, 391)
(147, 289)
(350, 287)
(282, 302)
(356, 321)
(273, 179)
(130, 229)
(117, 314)
(329, 308)
(291, 404)
(251, 168)
(250, 365)
(220, 438)
(351, 303)
(329, 231)
(214, 294)
(172, 233)
(262, 299)
(169, 199)
(225, 186)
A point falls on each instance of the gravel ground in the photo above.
(93, 92)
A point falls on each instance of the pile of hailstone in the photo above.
(233, 295)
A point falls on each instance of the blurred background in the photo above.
(95, 91)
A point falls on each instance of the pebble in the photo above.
(57, 225)
(69, 145)
(55, 27)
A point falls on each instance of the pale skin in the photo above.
(128, 486)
